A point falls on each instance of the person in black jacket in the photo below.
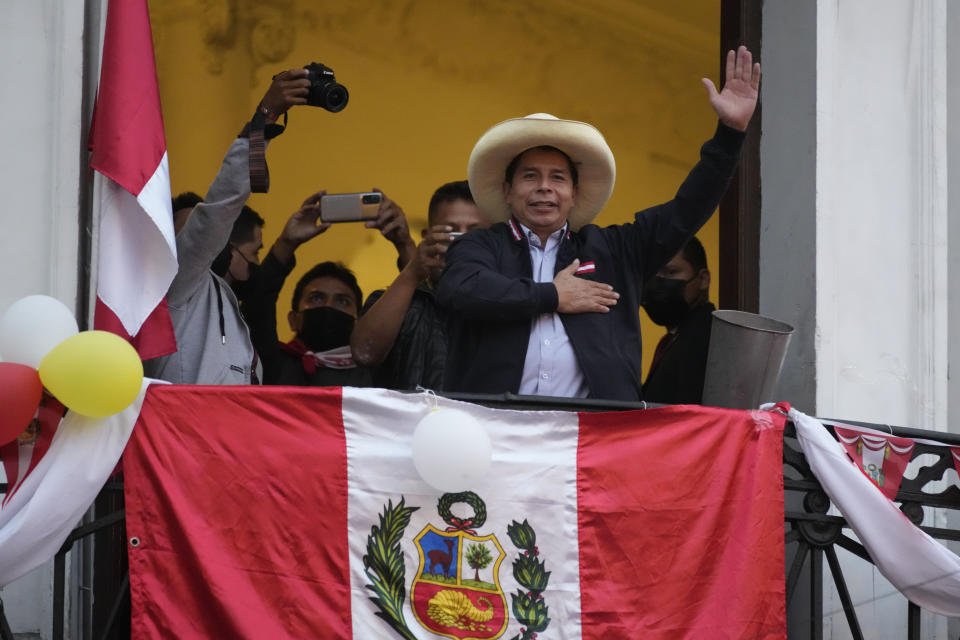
(545, 303)
(676, 298)
(402, 330)
(325, 304)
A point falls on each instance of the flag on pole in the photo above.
(298, 513)
(137, 249)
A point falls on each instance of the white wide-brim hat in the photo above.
(596, 168)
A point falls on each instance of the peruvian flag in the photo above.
(882, 458)
(137, 254)
(283, 512)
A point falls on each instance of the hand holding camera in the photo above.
(314, 85)
(432, 250)
(288, 88)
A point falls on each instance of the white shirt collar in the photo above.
(534, 239)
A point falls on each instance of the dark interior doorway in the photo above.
(739, 260)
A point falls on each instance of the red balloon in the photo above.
(20, 394)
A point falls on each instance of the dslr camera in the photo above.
(325, 91)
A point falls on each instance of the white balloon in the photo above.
(451, 450)
(32, 326)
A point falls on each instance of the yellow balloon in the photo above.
(95, 373)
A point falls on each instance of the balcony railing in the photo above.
(811, 534)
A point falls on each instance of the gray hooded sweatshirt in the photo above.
(205, 355)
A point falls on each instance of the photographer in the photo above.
(402, 331)
(213, 342)
(325, 305)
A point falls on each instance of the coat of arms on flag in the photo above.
(444, 598)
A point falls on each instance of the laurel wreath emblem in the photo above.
(476, 503)
(530, 609)
(383, 564)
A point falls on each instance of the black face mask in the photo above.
(664, 302)
(243, 288)
(325, 328)
(222, 262)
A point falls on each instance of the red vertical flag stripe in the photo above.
(238, 502)
(127, 133)
(681, 524)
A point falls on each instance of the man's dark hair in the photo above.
(186, 200)
(450, 192)
(512, 167)
(694, 254)
(244, 225)
(242, 232)
(323, 270)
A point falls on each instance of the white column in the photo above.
(881, 242)
(41, 45)
(881, 212)
(855, 254)
(953, 248)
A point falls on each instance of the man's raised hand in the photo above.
(737, 100)
(288, 88)
(576, 295)
(392, 223)
(300, 227)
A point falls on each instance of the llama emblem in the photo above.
(456, 592)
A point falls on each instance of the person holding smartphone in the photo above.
(326, 300)
(402, 331)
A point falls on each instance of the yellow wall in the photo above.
(426, 79)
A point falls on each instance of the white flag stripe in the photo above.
(51, 500)
(534, 464)
(155, 200)
(138, 258)
(922, 569)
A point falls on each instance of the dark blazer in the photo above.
(488, 286)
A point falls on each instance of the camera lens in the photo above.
(335, 97)
(371, 199)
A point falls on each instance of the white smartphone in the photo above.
(349, 207)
